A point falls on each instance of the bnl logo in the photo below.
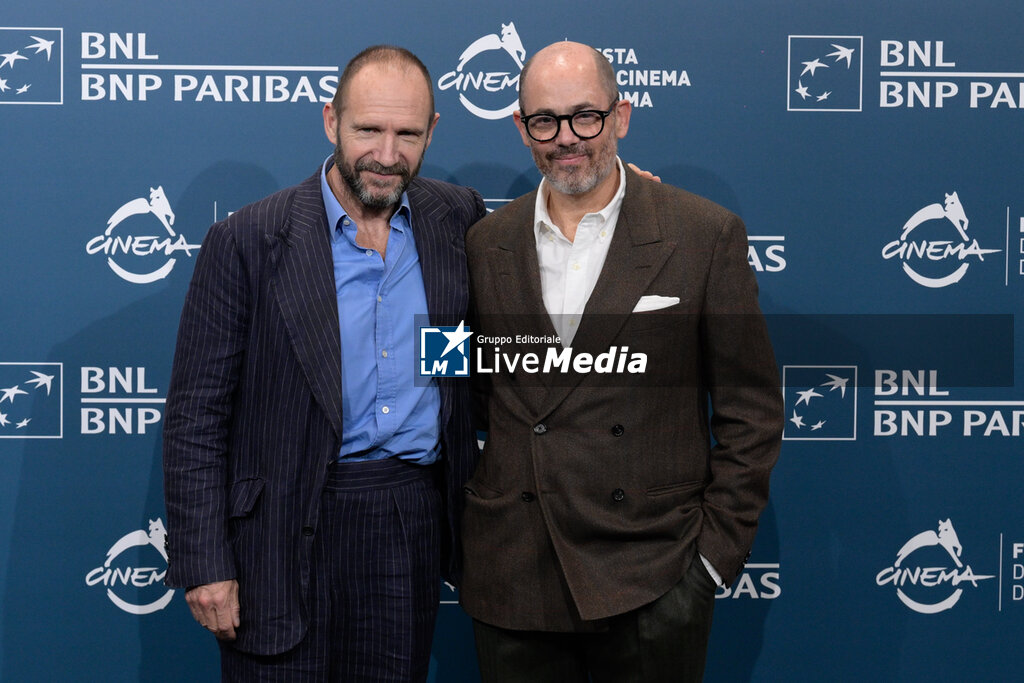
(31, 400)
(826, 73)
(444, 351)
(31, 65)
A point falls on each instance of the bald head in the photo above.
(385, 57)
(560, 60)
(569, 85)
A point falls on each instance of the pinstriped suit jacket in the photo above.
(253, 413)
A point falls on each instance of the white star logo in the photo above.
(811, 66)
(24, 423)
(42, 44)
(10, 393)
(797, 420)
(41, 381)
(840, 54)
(837, 383)
(806, 396)
(10, 58)
(456, 338)
(802, 90)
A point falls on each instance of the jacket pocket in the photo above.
(674, 488)
(243, 496)
(478, 489)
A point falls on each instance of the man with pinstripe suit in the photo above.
(311, 486)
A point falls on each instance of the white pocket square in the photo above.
(654, 303)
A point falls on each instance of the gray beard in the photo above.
(360, 189)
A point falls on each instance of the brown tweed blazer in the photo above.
(594, 491)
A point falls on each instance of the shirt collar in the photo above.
(335, 211)
(542, 220)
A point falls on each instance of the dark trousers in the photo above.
(375, 583)
(663, 641)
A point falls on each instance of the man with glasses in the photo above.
(600, 518)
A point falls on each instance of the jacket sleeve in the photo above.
(196, 436)
(747, 413)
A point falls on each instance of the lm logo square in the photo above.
(444, 351)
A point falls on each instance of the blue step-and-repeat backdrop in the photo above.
(872, 148)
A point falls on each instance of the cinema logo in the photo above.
(134, 570)
(928, 255)
(928, 574)
(136, 250)
(489, 89)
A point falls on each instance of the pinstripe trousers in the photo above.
(375, 583)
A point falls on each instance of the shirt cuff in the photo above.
(711, 570)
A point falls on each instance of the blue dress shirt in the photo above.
(384, 413)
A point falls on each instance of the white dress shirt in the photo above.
(569, 270)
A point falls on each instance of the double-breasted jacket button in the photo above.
(618, 430)
(540, 428)
(618, 495)
(527, 497)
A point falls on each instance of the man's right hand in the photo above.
(215, 607)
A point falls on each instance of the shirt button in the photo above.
(526, 496)
(540, 428)
(618, 430)
(345, 222)
(575, 266)
(618, 495)
(384, 353)
(379, 298)
(369, 252)
(385, 410)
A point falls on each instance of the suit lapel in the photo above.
(636, 255)
(438, 252)
(442, 254)
(514, 260)
(304, 287)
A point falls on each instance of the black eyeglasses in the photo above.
(585, 124)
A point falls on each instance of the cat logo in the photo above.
(917, 582)
(924, 258)
(498, 83)
(138, 247)
(121, 577)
